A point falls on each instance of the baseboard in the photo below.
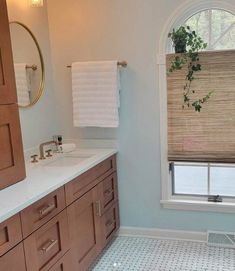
(163, 234)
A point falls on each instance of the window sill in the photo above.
(192, 205)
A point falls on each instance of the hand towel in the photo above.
(22, 83)
(68, 147)
(95, 87)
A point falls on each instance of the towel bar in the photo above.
(33, 67)
(119, 63)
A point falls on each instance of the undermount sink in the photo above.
(68, 161)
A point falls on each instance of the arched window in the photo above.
(216, 27)
(192, 183)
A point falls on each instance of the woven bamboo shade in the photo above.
(209, 135)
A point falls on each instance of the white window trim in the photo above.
(181, 14)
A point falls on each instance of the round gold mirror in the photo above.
(28, 64)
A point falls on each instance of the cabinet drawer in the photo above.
(13, 260)
(48, 244)
(42, 211)
(107, 193)
(67, 263)
(89, 179)
(10, 234)
(110, 223)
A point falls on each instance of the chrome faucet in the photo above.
(41, 148)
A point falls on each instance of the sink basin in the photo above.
(68, 161)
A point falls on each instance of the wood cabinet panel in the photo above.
(89, 179)
(107, 193)
(7, 76)
(10, 234)
(84, 231)
(67, 263)
(42, 211)
(110, 224)
(13, 260)
(48, 244)
(12, 168)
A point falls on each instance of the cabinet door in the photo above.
(12, 167)
(7, 76)
(85, 230)
(13, 260)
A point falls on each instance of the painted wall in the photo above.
(82, 30)
(39, 122)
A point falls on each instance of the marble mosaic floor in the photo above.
(145, 254)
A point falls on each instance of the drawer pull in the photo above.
(98, 208)
(109, 223)
(49, 246)
(46, 210)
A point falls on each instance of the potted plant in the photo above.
(179, 38)
(187, 45)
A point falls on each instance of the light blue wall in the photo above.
(40, 122)
(125, 30)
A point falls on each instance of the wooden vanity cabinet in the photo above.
(7, 76)
(52, 236)
(12, 168)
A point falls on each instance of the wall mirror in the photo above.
(28, 64)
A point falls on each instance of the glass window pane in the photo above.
(216, 27)
(191, 180)
(223, 181)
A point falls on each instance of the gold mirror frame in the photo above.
(40, 89)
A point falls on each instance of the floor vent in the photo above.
(221, 239)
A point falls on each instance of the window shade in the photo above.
(208, 136)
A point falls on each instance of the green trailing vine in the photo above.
(187, 46)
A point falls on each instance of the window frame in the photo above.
(168, 200)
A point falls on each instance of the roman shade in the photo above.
(208, 136)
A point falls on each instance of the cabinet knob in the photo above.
(49, 153)
(34, 158)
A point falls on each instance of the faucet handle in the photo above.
(49, 153)
(34, 157)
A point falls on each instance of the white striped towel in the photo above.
(22, 84)
(96, 87)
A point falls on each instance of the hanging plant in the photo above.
(187, 45)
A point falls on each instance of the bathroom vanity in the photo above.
(64, 213)
(67, 228)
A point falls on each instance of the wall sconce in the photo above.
(36, 3)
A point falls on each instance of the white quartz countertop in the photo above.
(42, 179)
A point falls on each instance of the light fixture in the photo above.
(36, 3)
